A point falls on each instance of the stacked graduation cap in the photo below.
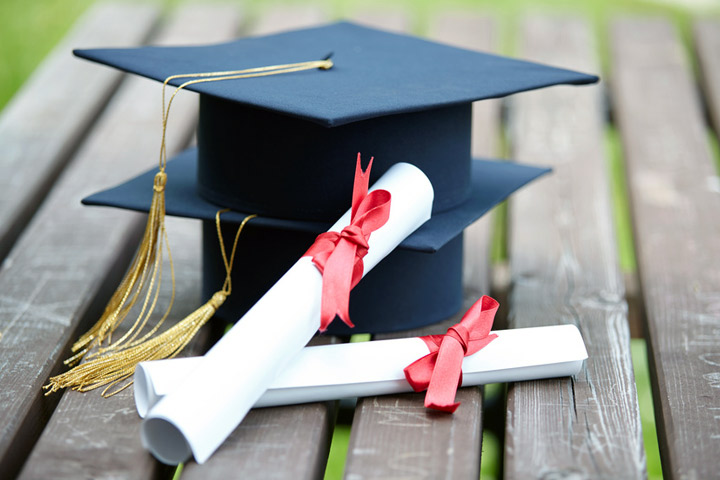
(284, 147)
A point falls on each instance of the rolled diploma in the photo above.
(331, 372)
(210, 402)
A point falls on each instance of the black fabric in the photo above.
(253, 160)
(376, 73)
(491, 182)
(408, 289)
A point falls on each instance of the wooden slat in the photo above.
(287, 17)
(467, 30)
(707, 39)
(48, 117)
(390, 20)
(92, 437)
(283, 442)
(55, 281)
(564, 269)
(675, 206)
(395, 435)
(89, 436)
(28, 274)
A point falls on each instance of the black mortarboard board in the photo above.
(284, 146)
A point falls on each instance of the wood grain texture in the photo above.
(395, 436)
(707, 45)
(386, 19)
(37, 318)
(468, 30)
(287, 17)
(674, 199)
(63, 268)
(564, 269)
(274, 443)
(48, 117)
(92, 437)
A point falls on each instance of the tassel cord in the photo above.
(115, 367)
(143, 279)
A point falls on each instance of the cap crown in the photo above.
(375, 73)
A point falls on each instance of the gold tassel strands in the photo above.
(111, 369)
(143, 279)
(146, 269)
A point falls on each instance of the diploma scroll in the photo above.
(364, 369)
(210, 401)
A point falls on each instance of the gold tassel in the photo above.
(119, 365)
(146, 269)
(144, 277)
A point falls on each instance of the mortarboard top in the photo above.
(284, 147)
(376, 73)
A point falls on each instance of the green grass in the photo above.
(647, 410)
(338, 452)
(621, 210)
(28, 31)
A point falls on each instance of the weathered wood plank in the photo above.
(92, 437)
(48, 117)
(396, 435)
(707, 40)
(56, 280)
(283, 442)
(273, 443)
(468, 30)
(675, 207)
(287, 17)
(386, 19)
(564, 269)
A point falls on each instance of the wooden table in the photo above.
(76, 127)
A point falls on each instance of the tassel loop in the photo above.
(159, 182)
(217, 299)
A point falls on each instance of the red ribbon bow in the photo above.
(440, 371)
(339, 256)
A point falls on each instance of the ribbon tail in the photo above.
(445, 377)
(419, 373)
(337, 282)
(360, 185)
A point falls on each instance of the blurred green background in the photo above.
(30, 29)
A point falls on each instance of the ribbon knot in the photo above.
(159, 181)
(338, 256)
(461, 335)
(440, 371)
(354, 234)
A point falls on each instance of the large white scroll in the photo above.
(205, 407)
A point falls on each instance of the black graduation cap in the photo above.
(284, 147)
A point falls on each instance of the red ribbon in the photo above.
(440, 371)
(339, 256)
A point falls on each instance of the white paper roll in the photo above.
(208, 404)
(331, 372)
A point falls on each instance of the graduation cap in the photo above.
(282, 147)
